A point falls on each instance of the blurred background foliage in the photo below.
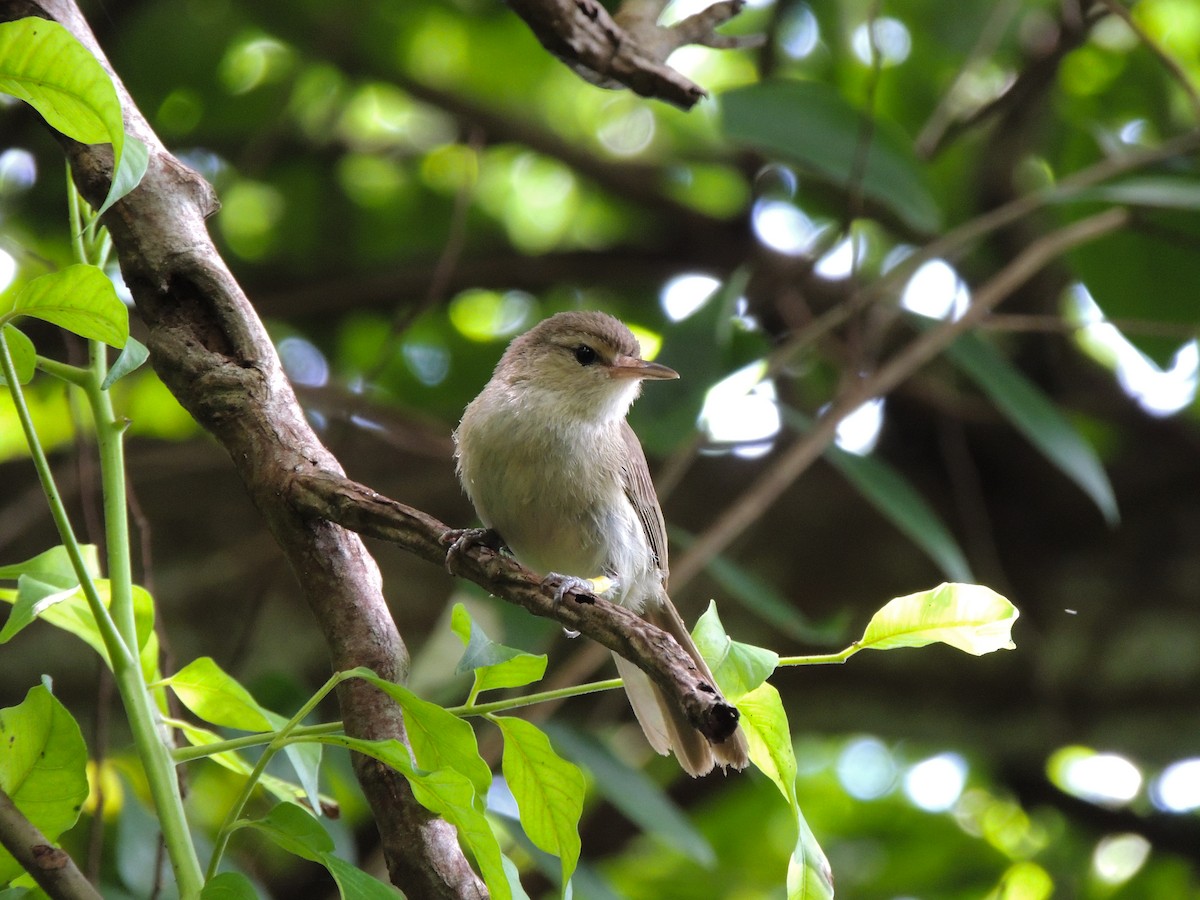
(407, 184)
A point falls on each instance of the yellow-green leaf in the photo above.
(970, 617)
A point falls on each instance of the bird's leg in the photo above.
(458, 540)
(592, 587)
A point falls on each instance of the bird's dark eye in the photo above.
(585, 355)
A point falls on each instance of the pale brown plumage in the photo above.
(548, 460)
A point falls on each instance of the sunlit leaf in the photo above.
(548, 790)
(738, 668)
(43, 64)
(79, 298)
(448, 794)
(969, 617)
(54, 566)
(495, 665)
(1037, 418)
(277, 787)
(43, 768)
(217, 697)
(811, 125)
(769, 739)
(439, 739)
(22, 352)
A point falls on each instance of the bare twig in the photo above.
(787, 468)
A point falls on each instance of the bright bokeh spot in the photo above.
(935, 784)
(1097, 777)
(18, 170)
(1177, 789)
(783, 227)
(1118, 857)
(858, 432)
(741, 409)
(253, 60)
(842, 260)
(627, 129)
(380, 115)
(866, 769)
(483, 315)
(8, 269)
(650, 342)
(430, 363)
(892, 42)
(684, 294)
(936, 292)
(370, 180)
(249, 213)
(303, 362)
(1158, 391)
(1024, 880)
(799, 32)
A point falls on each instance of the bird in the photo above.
(552, 467)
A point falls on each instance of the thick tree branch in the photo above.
(51, 867)
(209, 347)
(330, 496)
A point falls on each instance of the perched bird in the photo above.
(551, 465)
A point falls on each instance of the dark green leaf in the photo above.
(1037, 418)
(229, 886)
(295, 830)
(812, 126)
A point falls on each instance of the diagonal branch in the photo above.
(332, 497)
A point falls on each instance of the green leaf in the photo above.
(229, 886)
(54, 566)
(355, 884)
(548, 790)
(1035, 416)
(630, 791)
(439, 739)
(885, 489)
(970, 617)
(22, 352)
(234, 762)
(69, 610)
(738, 668)
(133, 355)
(295, 830)
(43, 768)
(128, 175)
(445, 793)
(769, 739)
(79, 298)
(43, 64)
(812, 126)
(217, 697)
(495, 665)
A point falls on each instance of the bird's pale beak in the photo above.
(632, 367)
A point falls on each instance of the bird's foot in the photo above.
(458, 540)
(589, 587)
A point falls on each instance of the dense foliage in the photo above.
(407, 185)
